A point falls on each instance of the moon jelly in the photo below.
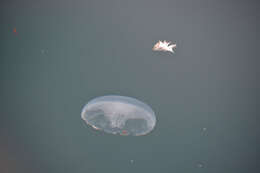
(119, 115)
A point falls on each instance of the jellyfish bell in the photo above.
(119, 115)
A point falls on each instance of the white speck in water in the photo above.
(200, 165)
(204, 129)
(132, 161)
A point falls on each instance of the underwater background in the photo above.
(56, 55)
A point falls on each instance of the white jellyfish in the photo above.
(119, 115)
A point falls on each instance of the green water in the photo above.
(66, 53)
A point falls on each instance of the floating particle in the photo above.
(44, 51)
(200, 165)
(124, 132)
(164, 46)
(14, 31)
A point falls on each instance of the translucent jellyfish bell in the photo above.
(119, 115)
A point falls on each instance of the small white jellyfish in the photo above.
(164, 46)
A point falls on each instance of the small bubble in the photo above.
(204, 129)
(132, 161)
